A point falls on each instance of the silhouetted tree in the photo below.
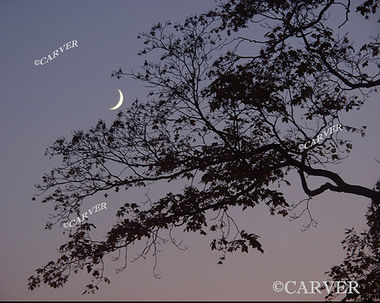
(362, 262)
(227, 112)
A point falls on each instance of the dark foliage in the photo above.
(226, 114)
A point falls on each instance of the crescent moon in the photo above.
(120, 101)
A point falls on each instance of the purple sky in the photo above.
(38, 104)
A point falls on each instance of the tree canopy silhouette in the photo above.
(226, 113)
(362, 259)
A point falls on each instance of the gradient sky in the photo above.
(38, 104)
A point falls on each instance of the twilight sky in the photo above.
(38, 104)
